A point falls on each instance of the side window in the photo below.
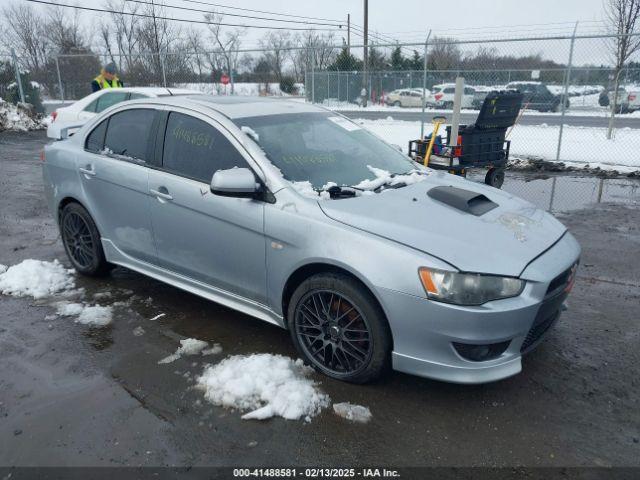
(135, 95)
(195, 149)
(95, 140)
(469, 91)
(128, 133)
(111, 98)
(449, 90)
(92, 106)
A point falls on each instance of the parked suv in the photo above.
(537, 96)
(441, 96)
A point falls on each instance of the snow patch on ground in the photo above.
(95, 315)
(35, 278)
(216, 349)
(20, 117)
(188, 346)
(266, 385)
(353, 413)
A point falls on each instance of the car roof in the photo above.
(237, 106)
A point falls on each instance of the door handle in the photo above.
(88, 171)
(163, 195)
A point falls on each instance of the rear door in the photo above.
(213, 239)
(114, 173)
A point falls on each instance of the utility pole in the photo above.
(348, 33)
(366, 53)
(157, 42)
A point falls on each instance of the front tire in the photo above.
(82, 241)
(339, 329)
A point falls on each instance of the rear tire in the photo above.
(82, 241)
(339, 329)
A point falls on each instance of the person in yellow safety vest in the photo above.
(107, 79)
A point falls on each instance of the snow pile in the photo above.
(20, 117)
(36, 279)
(385, 178)
(353, 413)
(188, 346)
(95, 315)
(267, 385)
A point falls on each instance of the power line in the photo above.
(103, 10)
(261, 11)
(232, 14)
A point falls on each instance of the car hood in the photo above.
(501, 241)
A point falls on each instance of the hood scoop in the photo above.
(464, 200)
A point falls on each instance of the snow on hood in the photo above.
(365, 187)
(502, 241)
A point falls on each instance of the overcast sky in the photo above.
(409, 20)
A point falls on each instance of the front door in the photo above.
(213, 239)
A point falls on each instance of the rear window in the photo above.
(128, 133)
(195, 149)
(109, 99)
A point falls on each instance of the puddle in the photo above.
(563, 193)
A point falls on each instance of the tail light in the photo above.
(54, 115)
(631, 97)
(42, 155)
(438, 96)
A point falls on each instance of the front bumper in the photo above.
(424, 331)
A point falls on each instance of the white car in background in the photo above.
(441, 96)
(88, 107)
(404, 97)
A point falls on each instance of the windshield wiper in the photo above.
(345, 191)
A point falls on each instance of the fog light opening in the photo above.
(481, 352)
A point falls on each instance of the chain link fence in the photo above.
(569, 85)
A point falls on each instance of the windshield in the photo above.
(323, 148)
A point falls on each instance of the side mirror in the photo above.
(235, 182)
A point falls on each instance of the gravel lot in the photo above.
(71, 395)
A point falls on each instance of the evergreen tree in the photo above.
(398, 62)
(345, 62)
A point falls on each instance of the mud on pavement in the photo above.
(72, 395)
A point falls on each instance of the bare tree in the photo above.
(624, 17)
(124, 29)
(26, 32)
(443, 55)
(228, 43)
(318, 51)
(193, 40)
(277, 45)
(64, 31)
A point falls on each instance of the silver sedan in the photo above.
(298, 216)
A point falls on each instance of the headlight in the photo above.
(467, 288)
